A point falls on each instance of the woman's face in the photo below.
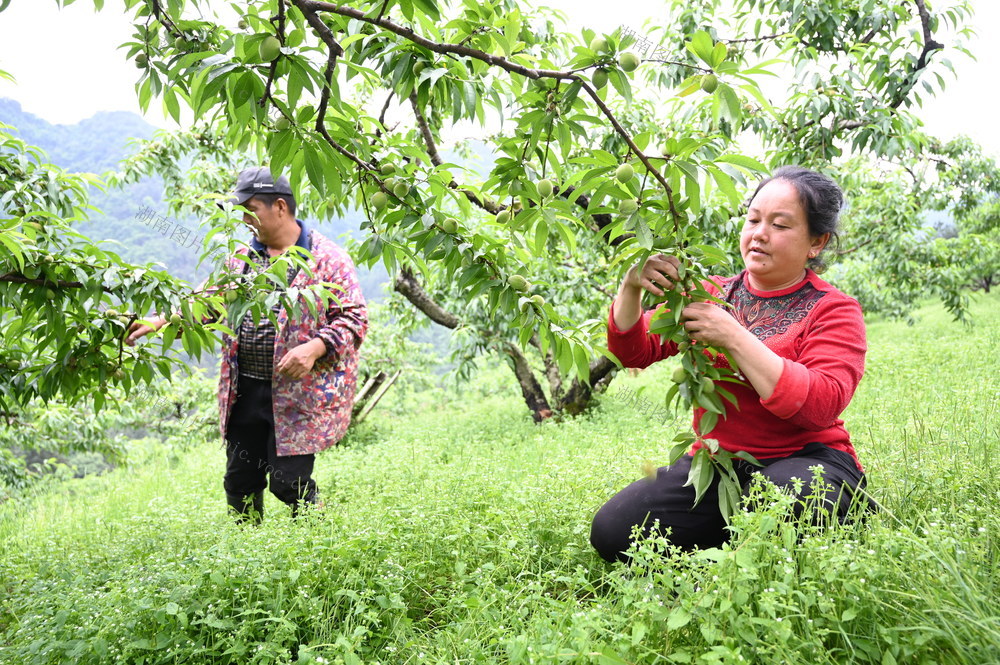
(775, 241)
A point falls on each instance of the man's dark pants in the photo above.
(251, 454)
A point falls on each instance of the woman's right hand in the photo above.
(657, 276)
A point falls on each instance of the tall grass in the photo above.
(458, 534)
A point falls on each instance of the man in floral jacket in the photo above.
(285, 392)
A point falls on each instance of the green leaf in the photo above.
(701, 45)
(701, 474)
(748, 163)
(679, 617)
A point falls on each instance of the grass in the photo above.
(456, 531)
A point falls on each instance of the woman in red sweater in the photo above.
(800, 347)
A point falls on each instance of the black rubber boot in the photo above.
(311, 498)
(248, 508)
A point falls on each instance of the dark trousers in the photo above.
(251, 454)
(665, 498)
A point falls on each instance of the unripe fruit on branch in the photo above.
(599, 78)
(242, 25)
(628, 61)
(709, 82)
(518, 283)
(387, 168)
(141, 59)
(707, 385)
(627, 206)
(538, 300)
(679, 375)
(13, 364)
(624, 173)
(50, 294)
(175, 319)
(449, 225)
(379, 200)
(231, 296)
(598, 44)
(269, 49)
(683, 346)
(282, 123)
(401, 189)
(545, 188)
(503, 217)
(419, 67)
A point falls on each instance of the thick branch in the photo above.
(18, 278)
(551, 369)
(335, 51)
(443, 48)
(425, 131)
(406, 283)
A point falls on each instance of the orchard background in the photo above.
(499, 172)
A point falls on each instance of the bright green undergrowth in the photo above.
(458, 533)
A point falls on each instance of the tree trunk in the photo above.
(576, 399)
(580, 394)
(531, 390)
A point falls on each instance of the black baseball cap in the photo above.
(258, 180)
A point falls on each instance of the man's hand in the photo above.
(139, 329)
(299, 361)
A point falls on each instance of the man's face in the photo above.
(259, 217)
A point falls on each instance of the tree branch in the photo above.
(407, 285)
(436, 160)
(531, 390)
(503, 63)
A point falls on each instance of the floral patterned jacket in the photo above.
(310, 414)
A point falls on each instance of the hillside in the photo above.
(455, 531)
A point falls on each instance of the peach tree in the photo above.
(602, 147)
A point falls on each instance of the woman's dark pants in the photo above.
(665, 499)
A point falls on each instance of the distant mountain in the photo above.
(91, 146)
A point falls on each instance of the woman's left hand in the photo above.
(711, 325)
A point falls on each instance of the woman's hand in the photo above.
(712, 325)
(715, 326)
(658, 275)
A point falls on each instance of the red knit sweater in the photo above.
(819, 333)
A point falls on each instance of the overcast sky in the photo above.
(68, 65)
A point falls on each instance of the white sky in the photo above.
(68, 66)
